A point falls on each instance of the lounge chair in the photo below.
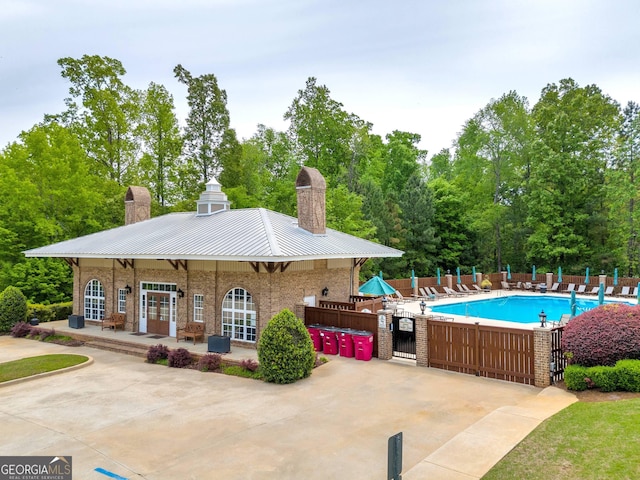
(478, 289)
(593, 291)
(399, 298)
(608, 291)
(554, 287)
(570, 288)
(581, 289)
(425, 295)
(468, 290)
(635, 292)
(452, 293)
(625, 292)
(505, 286)
(528, 286)
(436, 292)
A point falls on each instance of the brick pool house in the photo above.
(231, 269)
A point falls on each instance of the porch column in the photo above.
(422, 345)
(542, 356)
(385, 337)
(549, 279)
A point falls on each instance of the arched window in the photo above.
(239, 315)
(94, 301)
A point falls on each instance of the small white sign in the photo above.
(405, 325)
(382, 321)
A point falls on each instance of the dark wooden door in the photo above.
(158, 309)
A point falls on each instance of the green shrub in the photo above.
(575, 377)
(240, 371)
(13, 308)
(604, 335)
(285, 349)
(628, 375)
(604, 378)
(49, 313)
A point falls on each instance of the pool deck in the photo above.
(413, 305)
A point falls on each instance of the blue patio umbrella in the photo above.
(376, 286)
(601, 294)
(615, 277)
(438, 276)
(380, 274)
(473, 273)
(638, 289)
(508, 272)
(586, 278)
(559, 274)
(533, 274)
(413, 279)
(458, 274)
(573, 303)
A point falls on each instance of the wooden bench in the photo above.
(114, 320)
(192, 330)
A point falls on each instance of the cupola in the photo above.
(213, 199)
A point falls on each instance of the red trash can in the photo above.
(363, 342)
(329, 340)
(346, 342)
(316, 337)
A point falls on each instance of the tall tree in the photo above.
(416, 202)
(50, 193)
(321, 131)
(162, 145)
(403, 159)
(107, 115)
(576, 128)
(207, 122)
(623, 189)
(491, 164)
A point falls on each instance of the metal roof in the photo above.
(253, 234)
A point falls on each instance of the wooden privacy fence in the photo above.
(344, 319)
(493, 352)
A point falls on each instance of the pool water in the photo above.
(518, 308)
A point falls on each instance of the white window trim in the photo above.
(198, 307)
(122, 300)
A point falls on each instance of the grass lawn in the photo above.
(26, 367)
(587, 440)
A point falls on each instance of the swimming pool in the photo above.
(518, 308)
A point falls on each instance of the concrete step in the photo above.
(119, 347)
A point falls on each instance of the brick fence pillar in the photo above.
(299, 310)
(542, 356)
(385, 337)
(422, 346)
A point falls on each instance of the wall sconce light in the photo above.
(128, 289)
(180, 293)
(384, 302)
(543, 319)
(325, 291)
(423, 306)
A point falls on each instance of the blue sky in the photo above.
(419, 66)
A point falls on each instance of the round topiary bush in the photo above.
(285, 349)
(604, 335)
(13, 308)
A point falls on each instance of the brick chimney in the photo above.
(310, 189)
(137, 205)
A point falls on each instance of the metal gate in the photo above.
(404, 336)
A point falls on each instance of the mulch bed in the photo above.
(595, 395)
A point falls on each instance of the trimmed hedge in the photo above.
(49, 313)
(604, 335)
(285, 349)
(624, 376)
